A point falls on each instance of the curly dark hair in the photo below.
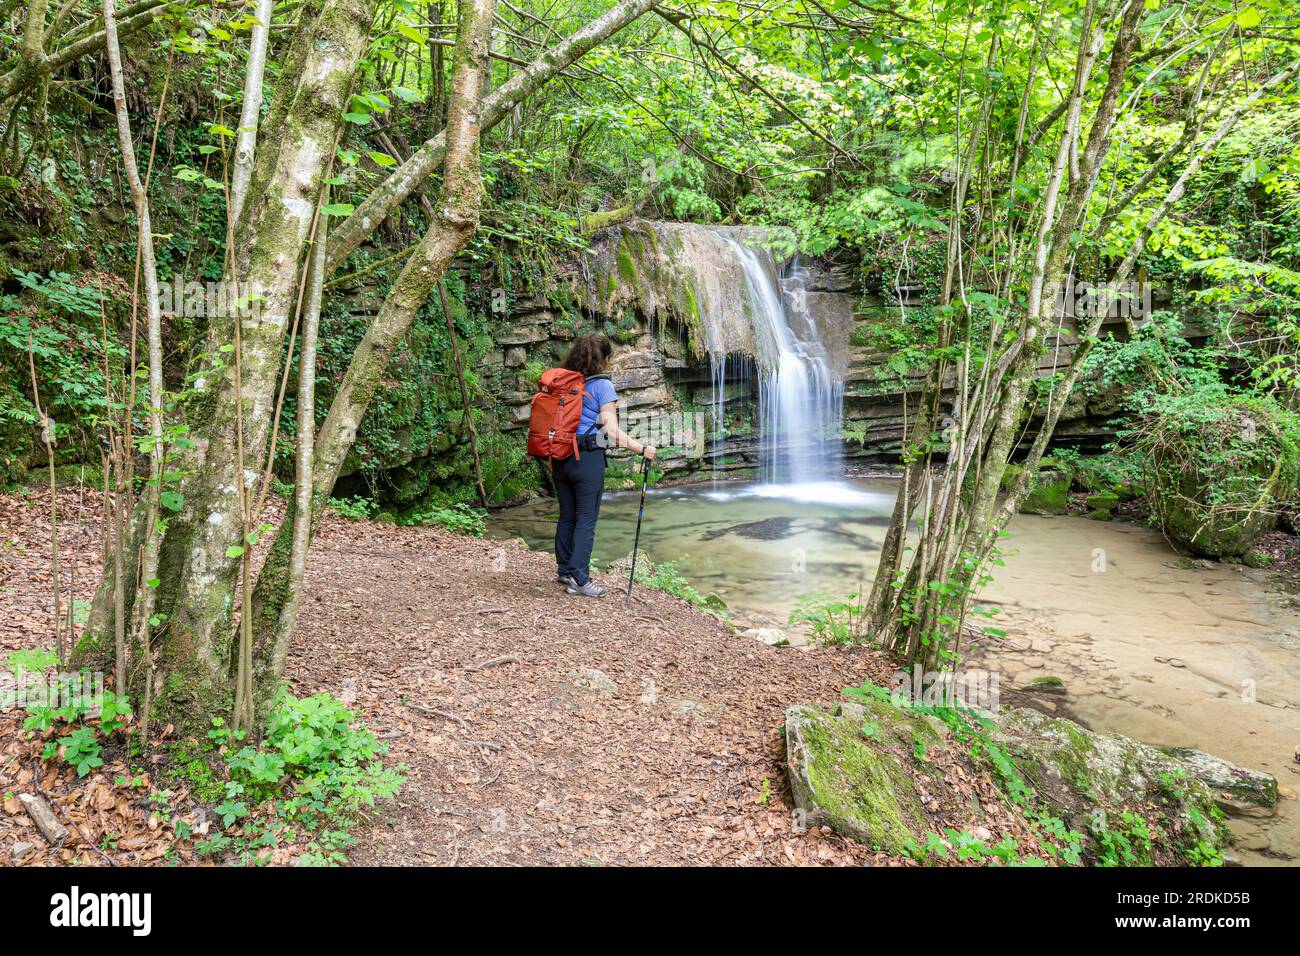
(589, 355)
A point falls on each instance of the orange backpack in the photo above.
(557, 413)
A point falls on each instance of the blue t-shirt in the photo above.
(597, 393)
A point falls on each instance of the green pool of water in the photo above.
(759, 547)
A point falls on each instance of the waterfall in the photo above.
(800, 398)
(761, 329)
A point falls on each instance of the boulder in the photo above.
(852, 769)
(1226, 535)
(1258, 558)
(1235, 788)
(1050, 494)
(854, 783)
(1092, 779)
(1102, 501)
(772, 636)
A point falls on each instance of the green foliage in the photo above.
(965, 847)
(83, 721)
(1127, 844)
(682, 191)
(59, 323)
(834, 620)
(1119, 470)
(460, 518)
(667, 576)
(30, 661)
(354, 509)
(316, 768)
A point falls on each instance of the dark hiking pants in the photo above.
(578, 486)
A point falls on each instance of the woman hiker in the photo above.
(579, 482)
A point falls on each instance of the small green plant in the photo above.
(80, 749)
(1128, 844)
(460, 518)
(88, 719)
(665, 576)
(834, 620)
(315, 769)
(354, 509)
(31, 661)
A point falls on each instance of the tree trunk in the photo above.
(251, 109)
(197, 570)
(455, 220)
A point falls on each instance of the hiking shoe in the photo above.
(567, 580)
(590, 589)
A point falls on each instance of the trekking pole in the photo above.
(640, 513)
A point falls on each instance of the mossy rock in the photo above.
(1217, 473)
(1009, 476)
(1102, 501)
(1225, 535)
(91, 476)
(1234, 787)
(851, 779)
(1050, 495)
(1090, 778)
(1288, 517)
(1130, 491)
(1255, 558)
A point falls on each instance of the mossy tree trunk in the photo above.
(454, 223)
(197, 568)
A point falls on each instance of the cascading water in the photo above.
(801, 399)
(759, 333)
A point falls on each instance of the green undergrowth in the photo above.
(834, 620)
(306, 784)
(301, 789)
(458, 517)
(667, 576)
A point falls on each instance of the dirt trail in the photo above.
(467, 658)
(520, 764)
(523, 764)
